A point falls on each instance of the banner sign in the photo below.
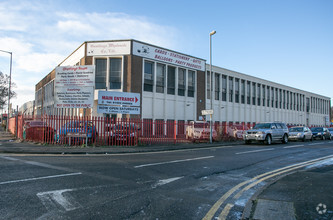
(118, 110)
(73, 97)
(144, 50)
(74, 87)
(118, 98)
(109, 48)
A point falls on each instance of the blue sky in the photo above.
(284, 41)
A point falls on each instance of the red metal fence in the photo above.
(104, 131)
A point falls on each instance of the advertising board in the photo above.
(167, 56)
(118, 98)
(109, 48)
(118, 110)
(74, 87)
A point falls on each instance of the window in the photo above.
(243, 92)
(115, 73)
(248, 92)
(160, 78)
(100, 73)
(280, 98)
(253, 93)
(276, 98)
(231, 89)
(284, 99)
(208, 85)
(307, 105)
(181, 82)
(191, 83)
(171, 80)
(224, 88)
(268, 95)
(237, 90)
(287, 99)
(148, 76)
(272, 90)
(263, 95)
(258, 93)
(217, 86)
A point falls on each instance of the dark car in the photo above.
(77, 129)
(331, 131)
(38, 131)
(124, 133)
(321, 133)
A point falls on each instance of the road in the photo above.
(186, 184)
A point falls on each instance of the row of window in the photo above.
(166, 77)
(243, 91)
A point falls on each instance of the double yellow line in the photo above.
(253, 182)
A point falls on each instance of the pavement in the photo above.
(301, 195)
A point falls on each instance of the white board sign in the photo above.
(74, 86)
(109, 48)
(118, 110)
(75, 76)
(207, 112)
(118, 98)
(74, 97)
(144, 50)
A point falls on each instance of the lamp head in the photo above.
(212, 33)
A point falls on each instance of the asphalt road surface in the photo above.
(208, 183)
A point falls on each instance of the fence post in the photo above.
(175, 131)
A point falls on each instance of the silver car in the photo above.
(300, 133)
(267, 133)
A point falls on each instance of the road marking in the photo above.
(174, 161)
(166, 181)
(66, 201)
(255, 151)
(39, 178)
(315, 144)
(225, 211)
(210, 214)
(294, 146)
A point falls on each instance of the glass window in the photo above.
(171, 80)
(258, 93)
(276, 98)
(208, 85)
(224, 88)
(231, 89)
(148, 76)
(115, 73)
(160, 78)
(237, 90)
(263, 95)
(272, 90)
(248, 92)
(253, 93)
(181, 82)
(100, 73)
(287, 99)
(217, 86)
(191, 83)
(268, 95)
(280, 98)
(243, 92)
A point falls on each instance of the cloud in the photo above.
(42, 34)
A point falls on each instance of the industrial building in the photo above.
(175, 86)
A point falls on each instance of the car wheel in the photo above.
(268, 140)
(285, 139)
(303, 139)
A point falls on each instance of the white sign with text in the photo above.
(118, 98)
(118, 110)
(109, 48)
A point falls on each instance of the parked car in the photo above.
(237, 131)
(38, 131)
(123, 132)
(83, 127)
(300, 133)
(331, 132)
(199, 130)
(321, 133)
(267, 133)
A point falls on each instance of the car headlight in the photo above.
(261, 132)
(319, 133)
(299, 134)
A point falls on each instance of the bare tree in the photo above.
(4, 80)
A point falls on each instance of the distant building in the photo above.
(176, 86)
(27, 108)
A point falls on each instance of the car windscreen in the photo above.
(295, 129)
(262, 126)
(330, 129)
(316, 129)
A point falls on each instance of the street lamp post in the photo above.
(10, 79)
(211, 86)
